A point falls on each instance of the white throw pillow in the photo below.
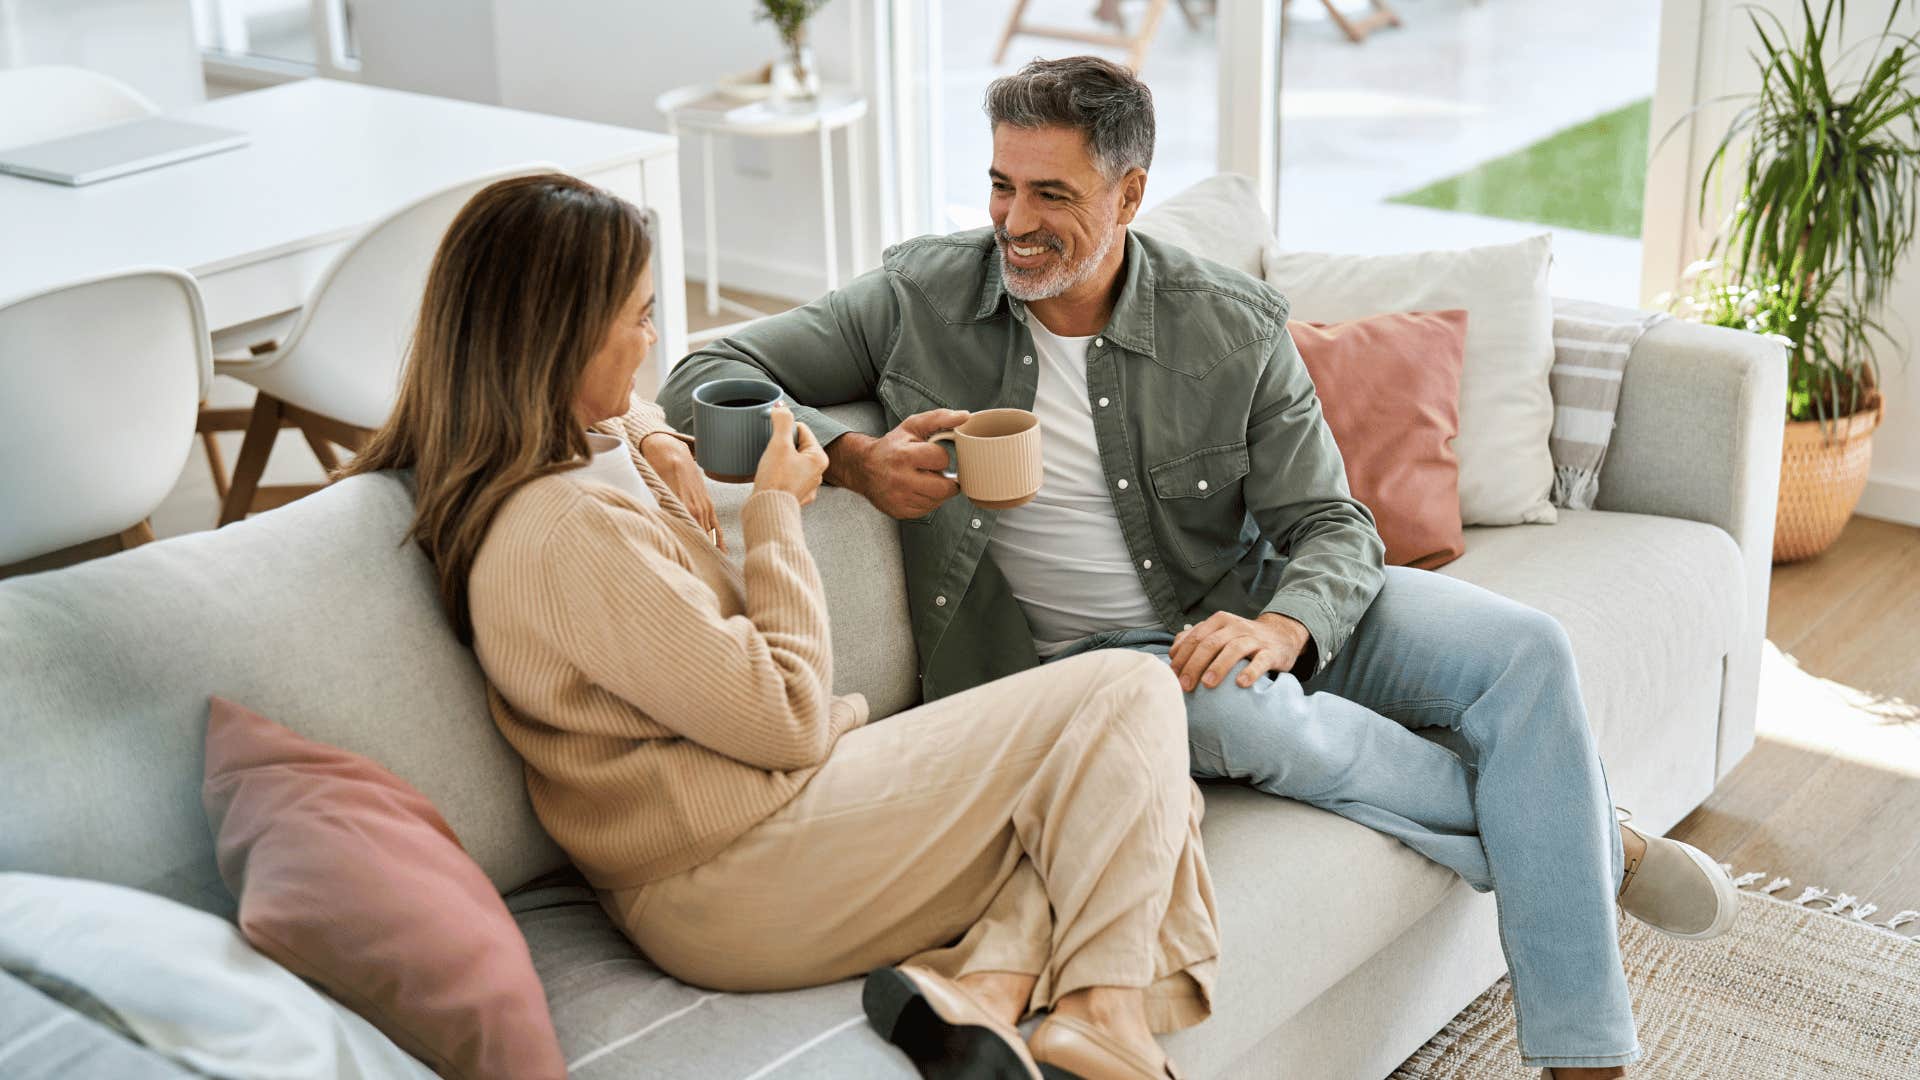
(1218, 218)
(1506, 407)
(187, 984)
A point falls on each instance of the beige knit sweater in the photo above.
(664, 702)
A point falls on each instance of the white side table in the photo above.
(709, 111)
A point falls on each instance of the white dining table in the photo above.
(257, 226)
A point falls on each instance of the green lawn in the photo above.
(1589, 177)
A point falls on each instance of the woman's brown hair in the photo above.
(522, 292)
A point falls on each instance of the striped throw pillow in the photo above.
(1591, 343)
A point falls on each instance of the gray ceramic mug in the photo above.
(732, 424)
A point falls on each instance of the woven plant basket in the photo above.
(1821, 477)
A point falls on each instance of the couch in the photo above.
(1344, 951)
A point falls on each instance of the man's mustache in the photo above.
(1047, 240)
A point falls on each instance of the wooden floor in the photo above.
(1830, 795)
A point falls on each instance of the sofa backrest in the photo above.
(315, 615)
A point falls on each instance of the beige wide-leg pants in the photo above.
(1042, 824)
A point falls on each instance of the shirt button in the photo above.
(1203, 485)
(1146, 564)
(939, 601)
(1123, 485)
(1026, 359)
(1103, 403)
(976, 523)
(1099, 342)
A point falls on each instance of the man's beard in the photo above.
(1050, 281)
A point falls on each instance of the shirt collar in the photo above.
(1130, 326)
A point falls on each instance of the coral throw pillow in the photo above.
(1389, 386)
(349, 877)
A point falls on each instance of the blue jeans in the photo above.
(1507, 792)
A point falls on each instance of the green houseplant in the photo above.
(794, 76)
(1827, 168)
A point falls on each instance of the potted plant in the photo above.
(794, 76)
(1826, 212)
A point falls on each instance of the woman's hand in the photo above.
(787, 465)
(673, 460)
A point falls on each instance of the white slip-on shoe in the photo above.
(1679, 890)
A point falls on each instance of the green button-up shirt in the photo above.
(1225, 479)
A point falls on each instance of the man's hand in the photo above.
(899, 472)
(1204, 654)
(674, 462)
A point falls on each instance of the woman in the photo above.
(1032, 844)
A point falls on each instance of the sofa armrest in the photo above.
(1698, 436)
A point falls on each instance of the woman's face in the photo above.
(607, 383)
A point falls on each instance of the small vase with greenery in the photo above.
(1829, 167)
(795, 78)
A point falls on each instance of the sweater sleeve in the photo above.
(644, 418)
(757, 687)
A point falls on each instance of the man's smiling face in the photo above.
(1055, 216)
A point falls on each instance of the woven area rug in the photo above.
(1792, 991)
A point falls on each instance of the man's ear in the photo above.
(1133, 188)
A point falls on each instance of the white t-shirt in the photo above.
(612, 465)
(1063, 554)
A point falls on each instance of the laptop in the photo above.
(116, 150)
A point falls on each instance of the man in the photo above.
(1195, 506)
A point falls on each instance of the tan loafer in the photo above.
(943, 1028)
(1070, 1050)
(1678, 889)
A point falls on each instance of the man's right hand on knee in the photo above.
(900, 472)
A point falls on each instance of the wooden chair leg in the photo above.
(141, 532)
(262, 430)
(322, 450)
(1143, 38)
(1013, 27)
(216, 464)
(1357, 29)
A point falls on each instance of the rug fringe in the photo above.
(1815, 898)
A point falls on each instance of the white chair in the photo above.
(336, 373)
(46, 102)
(99, 383)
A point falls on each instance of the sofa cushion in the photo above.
(43, 1039)
(350, 878)
(1506, 410)
(1218, 218)
(1653, 606)
(1287, 936)
(1389, 387)
(184, 984)
(317, 614)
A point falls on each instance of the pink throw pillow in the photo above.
(1389, 386)
(349, 877)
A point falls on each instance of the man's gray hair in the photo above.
(1098, 98)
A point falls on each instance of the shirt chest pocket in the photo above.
(1200, 495)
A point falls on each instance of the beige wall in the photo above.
(1704, 54)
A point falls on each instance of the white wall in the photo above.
(1707, 41)
(608, 60)
(440, 47)
(148, 44)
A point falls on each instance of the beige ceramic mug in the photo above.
(998, 455)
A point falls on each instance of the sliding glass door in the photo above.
(1194, 54)
(1471, 122)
